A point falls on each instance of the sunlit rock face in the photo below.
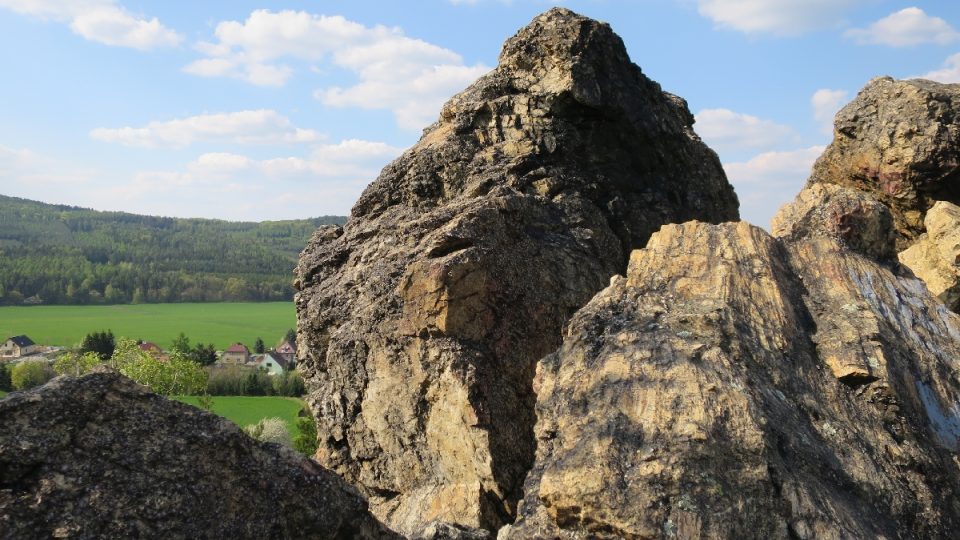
(422, 319)
(733, 385)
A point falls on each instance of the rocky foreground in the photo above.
(102, 457)
(541, 322)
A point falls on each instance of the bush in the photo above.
(175, 376)
(234, 381)
(306, 441)
(272, 430)
(30, 374)
(76, 363)
(5, 383)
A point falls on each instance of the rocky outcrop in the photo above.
(101, 457)
(895, 154)
(733, 385)
(935, 256)
(421, 320)
(899, 142)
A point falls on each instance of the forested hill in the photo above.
(53, 254)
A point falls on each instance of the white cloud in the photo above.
(25, 168)
(728, 131)
(103, 21)
(262, 126)
(233, 186)
(769, 180)
(910, 26)
(949, 73)
(352, 158)
(781, 17)
(407, 76)
(826, 103)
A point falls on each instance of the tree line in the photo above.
(54, 254)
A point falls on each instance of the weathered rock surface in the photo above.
(934, 257)
(738, 386)
(854, 218)
(421, 320)
(101, 457)
(898, 141)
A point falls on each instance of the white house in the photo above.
(273, 363)
(17, 347)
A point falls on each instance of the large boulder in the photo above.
(421, 320)
(733, 385)
(101, 457)
(899, 142)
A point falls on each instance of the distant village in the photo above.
(277, 361)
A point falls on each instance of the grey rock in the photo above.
(101, 457)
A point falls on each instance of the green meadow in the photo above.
(246, 410)
(219, 323)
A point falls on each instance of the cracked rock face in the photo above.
(421, 320)
(733, 385)
(935, 256)
(101, 457)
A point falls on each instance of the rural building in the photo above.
(17, 347)
(236, 355)
(152, 349)
(288, 351)
(273, 363)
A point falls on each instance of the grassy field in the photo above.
(221, 323)
(246, 410)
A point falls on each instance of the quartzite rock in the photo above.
(101, 457)
(935, 256)
(421, 320)
(738, 386)
(899, 143)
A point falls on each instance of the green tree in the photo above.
(102, 343)
(5, 383)
(306, 441)
(259, 346)
(204, 355)
(291, 336)
(76, 363)
(177, 375)
(181, 344)
(29, 374)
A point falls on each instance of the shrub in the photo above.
(76, 363)
(175, 376)
(30, 374)
(306, 441)
(5, 383)
(272, 430)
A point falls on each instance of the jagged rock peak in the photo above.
(101, 457)
(421, 320)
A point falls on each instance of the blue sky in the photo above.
(269, 110)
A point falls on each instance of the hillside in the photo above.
(54, 254)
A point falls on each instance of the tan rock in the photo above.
(422, 319)
(934, 257)
(737, 386)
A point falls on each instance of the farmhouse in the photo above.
(288, 351)
(153, 350)
(236, 355)
(17, 347)
(273, 363)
